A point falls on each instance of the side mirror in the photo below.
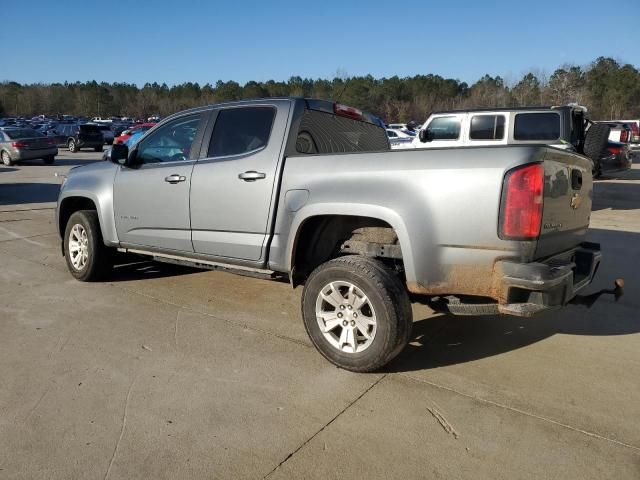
(424, 136)
(119, 153)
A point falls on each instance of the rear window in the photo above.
(487, 127)
(89, 129)
(241, 130)
(22, 133)
(537, 126)
(322, 132)
(444, 128)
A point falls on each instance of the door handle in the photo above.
(252, 176)
(175, 178)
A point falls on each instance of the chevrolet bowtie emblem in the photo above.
(576, 200)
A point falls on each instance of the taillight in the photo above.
(614, 150)
(346, 111)
(19, 144)
(522, 200)
(623, 136)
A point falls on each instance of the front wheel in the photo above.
(357, 313)
(73, 146)
(88, 259)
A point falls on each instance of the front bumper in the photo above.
(531, 288)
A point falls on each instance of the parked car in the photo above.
(397, 138)
(617, 157)
(360, 226)
(107, 133)
(127, 133)
(75, 136)
(17, 144)
(619, 131)
(635, 129)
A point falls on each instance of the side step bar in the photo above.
(204, 264)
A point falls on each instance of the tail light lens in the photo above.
(522, 201)
(19, 144)
(624, 136)
(614, 150)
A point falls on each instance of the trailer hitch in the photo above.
(588, 300)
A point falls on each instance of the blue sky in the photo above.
(200, 41)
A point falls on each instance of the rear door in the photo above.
(233, 183)
(151, 200)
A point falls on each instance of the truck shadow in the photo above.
(21, 193)
(131, 268)
(616, 196)
(445, 339)
(450, 340)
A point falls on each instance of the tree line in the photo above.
(607, 87)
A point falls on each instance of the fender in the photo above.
(358, 210)
(94, 183)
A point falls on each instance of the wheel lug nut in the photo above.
(339, 315)
(353, 324)
(344, 324)
(350, 307)
(341, 307)
(355, 315)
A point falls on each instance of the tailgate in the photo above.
(568, 191)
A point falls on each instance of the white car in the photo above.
(399, 138)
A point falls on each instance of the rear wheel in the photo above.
(6, 159)
(49, 160)
(73, 146)
(98, 149)
(356, 312)
(87, 257)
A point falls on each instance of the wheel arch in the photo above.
(321, 227)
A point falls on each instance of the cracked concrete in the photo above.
(168, 372)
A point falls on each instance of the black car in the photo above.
(75, 137)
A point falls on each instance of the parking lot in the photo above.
(169, 372)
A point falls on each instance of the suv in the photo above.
(567, 127)
(75, 137)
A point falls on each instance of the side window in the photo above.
(391, 134)
(537, 126)
(444, 128)
(171, 142)
(241, 130)
(487, 127)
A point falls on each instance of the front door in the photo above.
(232, 188)
(151, 199)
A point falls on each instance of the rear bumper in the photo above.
(23, 154)
(531, 288)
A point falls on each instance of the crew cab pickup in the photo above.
(309, 191)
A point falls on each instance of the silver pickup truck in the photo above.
(309, 191)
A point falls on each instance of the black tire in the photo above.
(595, 144)
(387, 296)
(6, 159)
(73, 146)
(99, 257)
(98, 149)
(49, 160)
